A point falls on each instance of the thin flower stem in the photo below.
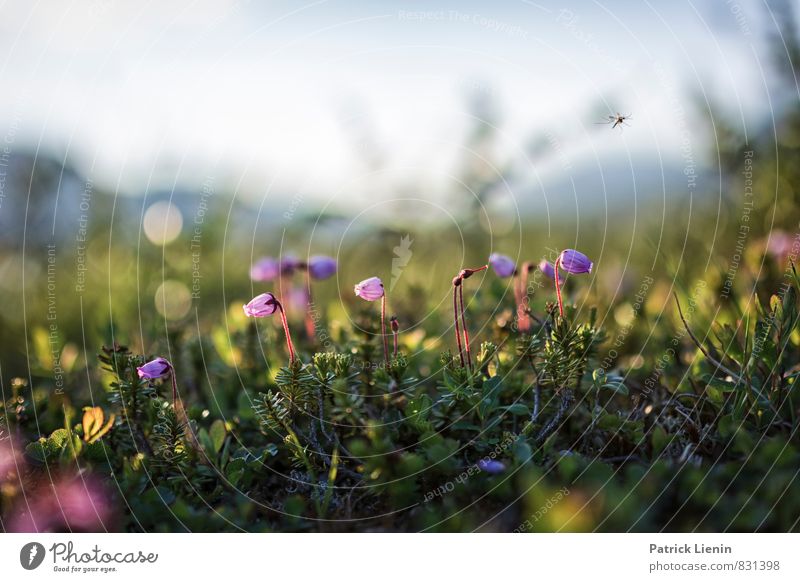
(458, 297)
(395, 334)
(174, 388)
(288, 335)
(558, 287)
(383, 331)
(464, 327)
(517, 283)
(458, 328)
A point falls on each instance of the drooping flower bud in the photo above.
(158, 369)
(154, 369)
(547, 268)
(574, 262)
(549, 271)
(458, 309)
(503, 265)
(265, 305)
(321, 267)
(265, 269)
(261, 306)
(370, 289)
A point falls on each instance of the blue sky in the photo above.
(339, 101)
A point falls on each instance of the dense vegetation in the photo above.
(664, 398)
(545, 431)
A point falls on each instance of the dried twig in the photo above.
(708, 356)
(552, 425)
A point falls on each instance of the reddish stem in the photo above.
(174, 389)
(558, 287)
(395, 344)
(455, 317)
(288, 335)
(458, 295)
(517, 281)
(464, 327)
(383, 330)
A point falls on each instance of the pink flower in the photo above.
(780, 245)
(74, 504)
(266, 269)
(261, 305)
(265, 305)
(154, 369)
(370, 289)
(296, 299)
(10, 460)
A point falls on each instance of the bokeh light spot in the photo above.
(173, 299)
(162, 223)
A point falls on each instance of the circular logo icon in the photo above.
(31, 555)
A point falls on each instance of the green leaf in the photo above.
(517, 409)
(610, 422)
(217, 434)
(492, 385)
(522, 451)
(98, 452)
(38, 450)
(723, 385)
(727, 426)
(569, 465)
(57, 440)
(205, 441)
(776, 306)
(659, 439)
(419, 407)
(617, 387)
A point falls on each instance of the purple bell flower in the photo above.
(154, 369)
(547, 268)
(370, 289)
(549, 271)
(261, 306)
(491, 466)
(503, 265)
(289, 264)
(265, 269)
(321, 267)
(574, 262)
